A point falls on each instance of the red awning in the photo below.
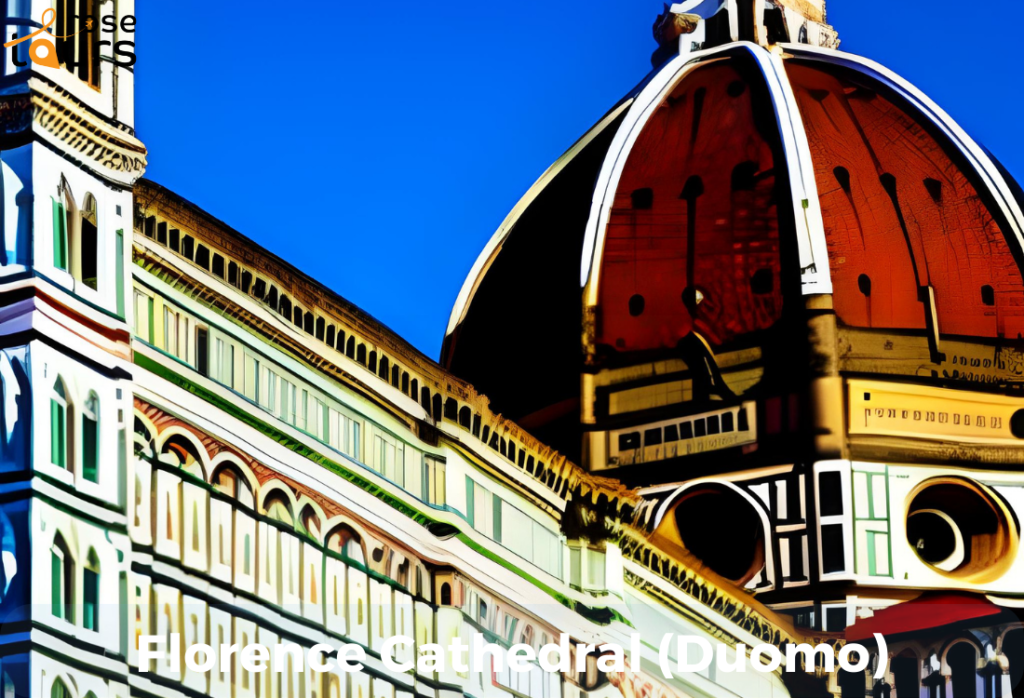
(923, 613)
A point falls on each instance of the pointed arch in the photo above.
(185, 450)
(91, 591)
(89, 244)
(61, 425)
(278, 503)
(345, 540)
(62, 579)
(91, 437)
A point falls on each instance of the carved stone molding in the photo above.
(52, 113)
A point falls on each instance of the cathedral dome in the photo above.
(729, 187)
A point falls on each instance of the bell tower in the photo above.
(69, 157)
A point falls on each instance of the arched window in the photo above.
(906, 672)
(350, 348)
(278, 508)
(465, 417)
(372, 364)
(437, 406)
(90, 438)
(91, 592)
(451, 409)
(233, 273)
(345, 541)
(395, 375)
(405, 383)
(185, 453)
(230, 481)
(88, 250)
(385, 367)
(308, 322)
(284, 307)
(330, 335)
(62, 580)
(60, 425)
(311, 522)
(963, 665)
(321, 326)
(425, 398)
(297, 317)
(361, 354)
(272, 297)
(59, 689)
(446, 594)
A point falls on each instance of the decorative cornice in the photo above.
(52, 113)
(745, 613)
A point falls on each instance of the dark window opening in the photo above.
(833, 555)
(735, 546)
(988, 295)
(161, 233)
(188, 246)
(830, 493)
(218, 265)
(321, 328)
(202, 355)
(652, 437)
(630, 441)
(329, 337)
(90, 254)
(727, 422)
(642, 199)
(451, 409)
(203, 256)
(175, 239)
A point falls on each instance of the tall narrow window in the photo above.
(60, 236)
(59, 414)
(88, 264)
(119, 270)
(79, 51)
(90, 438)
(202, 351)
(62, 575)
(91, 592)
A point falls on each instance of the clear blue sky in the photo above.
(377, 146)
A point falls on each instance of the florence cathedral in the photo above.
(771, 390)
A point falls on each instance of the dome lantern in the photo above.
(697, 25)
